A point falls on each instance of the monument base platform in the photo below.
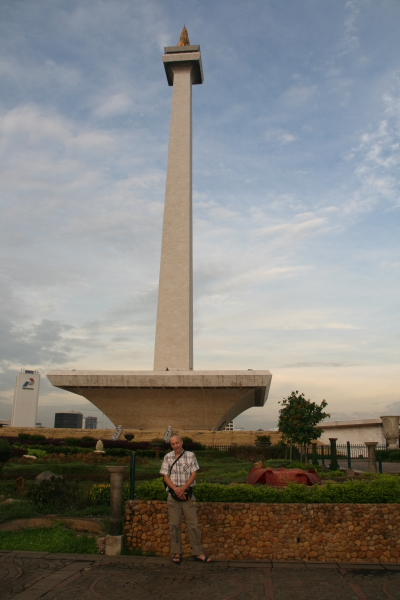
(156, 399)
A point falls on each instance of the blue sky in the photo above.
(296, 158)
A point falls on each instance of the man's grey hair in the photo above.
(175, 435)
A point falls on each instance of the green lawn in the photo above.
(46, 539)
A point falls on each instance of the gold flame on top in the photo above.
(184, 39)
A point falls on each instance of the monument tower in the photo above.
(173, 393)
(174, 332)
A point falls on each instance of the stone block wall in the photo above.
(57, 433)
(311, 532)
(205, 437)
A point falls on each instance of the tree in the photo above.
(298, 420)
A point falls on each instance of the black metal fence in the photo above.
(357, 451)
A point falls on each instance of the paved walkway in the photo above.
(39, 575)
(362, 465)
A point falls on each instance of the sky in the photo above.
(296, 156)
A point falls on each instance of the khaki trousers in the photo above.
(175, 511)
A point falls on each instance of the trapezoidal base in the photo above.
(156, 399)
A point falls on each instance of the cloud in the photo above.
(350, 39)
(299, 95)
(377, 159)
(280, 136)
(115, 105)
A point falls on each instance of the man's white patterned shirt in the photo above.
(182, 469)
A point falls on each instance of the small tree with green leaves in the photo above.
(298, 420)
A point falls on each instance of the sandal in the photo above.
(206, 559)
(177, 559)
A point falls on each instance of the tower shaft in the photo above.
(174, 329)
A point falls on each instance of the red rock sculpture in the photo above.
(282, 477)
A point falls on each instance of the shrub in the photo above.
(187, 440)
(37, 453)
(5, 451)
(54, 493)
(148, 453)
(264, 439)
(72, 441)
(395, 456)
(382, 490)
(253, 453)
(152, 490)
(36, 437)
(117, 452)
(100, 493)
(24, 436)
(384, 454)
(88, 438)
(19, 452)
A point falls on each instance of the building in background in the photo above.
(91, 423)
(357, 431)
(26, 395)
(68, 420)
(229, 426)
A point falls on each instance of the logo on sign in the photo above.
(28, 384)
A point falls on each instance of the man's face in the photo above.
(176, 444)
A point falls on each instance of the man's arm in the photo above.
(180, 491)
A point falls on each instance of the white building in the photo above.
(26, 395)
(356, 432)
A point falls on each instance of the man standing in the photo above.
(179, 469)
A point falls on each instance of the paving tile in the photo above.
(55, 556)
(377, 566)
(321, 565)
(283, 564)
(250, 565)
(30, 554)
(157, 560)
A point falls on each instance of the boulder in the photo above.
(45, 476)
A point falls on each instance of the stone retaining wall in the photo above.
(205, 437)
(313, 532)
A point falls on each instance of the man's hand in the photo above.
(180, 492)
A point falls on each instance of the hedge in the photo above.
(384, 489)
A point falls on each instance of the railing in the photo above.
(357, 451)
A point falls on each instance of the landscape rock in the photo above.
(45, 476)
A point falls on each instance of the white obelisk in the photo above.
(173, 393)
(174, 330)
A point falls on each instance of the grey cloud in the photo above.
(392, 409)
(36, 344)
